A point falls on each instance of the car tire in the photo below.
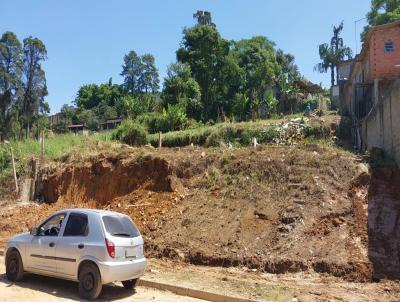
(14, 266)
(130, 284)
(89, 282)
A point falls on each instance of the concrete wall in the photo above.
(381, 128)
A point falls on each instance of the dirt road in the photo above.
(38, 288)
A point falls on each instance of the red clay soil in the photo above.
(384, 223)
(274, 209)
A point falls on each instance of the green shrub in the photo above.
(175, 118)
(4, 158)
(130, 133)
(154, 122)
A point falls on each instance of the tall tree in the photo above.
(382, 12)
(340, 50)
(332, 54)
(149, 80)
(131, 71)
(203, 18)
(257, 58)
(205, 51)
(34, 81)
(140, 73)
(10, 77)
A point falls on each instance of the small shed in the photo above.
(111, 124)
(78, 129)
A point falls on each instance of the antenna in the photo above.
(355, 33)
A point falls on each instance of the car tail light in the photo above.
(110, 248)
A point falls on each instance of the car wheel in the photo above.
(14, 267)
(89, 282)
(130, 284)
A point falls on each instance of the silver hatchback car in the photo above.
(92, 247)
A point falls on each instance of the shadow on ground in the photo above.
(65, 289)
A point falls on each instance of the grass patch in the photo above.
(238, 134)
(55, 147)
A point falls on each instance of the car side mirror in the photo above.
(34, 231)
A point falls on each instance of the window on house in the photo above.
(389, 47)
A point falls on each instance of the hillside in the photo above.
(275, 208)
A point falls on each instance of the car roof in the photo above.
(89, 211)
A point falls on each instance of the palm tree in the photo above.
(327, 57)
(340, 51)
(332, 54)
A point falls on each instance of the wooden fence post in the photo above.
(42, 150)
(14, 170)
(255, 142)
(159, 140)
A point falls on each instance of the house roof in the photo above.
(77, 126)
(112, 121)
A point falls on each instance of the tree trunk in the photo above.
(27, 131)
(333, 76)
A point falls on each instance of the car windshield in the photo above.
(120, 226)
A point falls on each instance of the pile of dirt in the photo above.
(273, 209)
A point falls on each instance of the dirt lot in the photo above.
(245, 283)
(234, 282)
(296, 215)
(274, 209)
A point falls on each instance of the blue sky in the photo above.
(86, 40)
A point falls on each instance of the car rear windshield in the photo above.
(120, 226)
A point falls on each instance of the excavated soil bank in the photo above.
(106, 178)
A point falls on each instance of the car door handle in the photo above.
(81, 246)
(51, 244)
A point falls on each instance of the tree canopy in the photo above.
(382, 12)
(22, 84)
(140, 73)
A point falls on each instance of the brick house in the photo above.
(368, 88)
(378, 61)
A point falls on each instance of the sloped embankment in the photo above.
(275, 208)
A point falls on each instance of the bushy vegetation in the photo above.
(213, 80)
(130, 133)
(236, 134)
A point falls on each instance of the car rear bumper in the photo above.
(113, 271)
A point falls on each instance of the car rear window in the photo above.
(120, 226)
